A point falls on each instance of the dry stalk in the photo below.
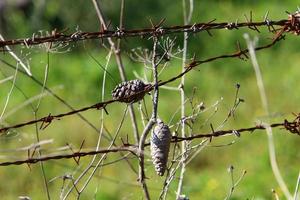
(186, 18)
(260, 85)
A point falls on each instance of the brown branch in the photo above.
(57, 36)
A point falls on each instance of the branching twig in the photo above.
(234, 183)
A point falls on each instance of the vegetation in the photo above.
(75, 72)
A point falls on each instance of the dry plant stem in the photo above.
(9, 93)
(172, 171)
(169, 178)
(97, 167)
(41, 163)
(187, 19)
(29, 101)
(200, 147)
(35, 111)
(6, 79)
(150, 124)
(296, 195)
(117, 53)
(98, 164)
(276, 197)
(19, 61)
(166, 183)
(272, 153)
(234, 184)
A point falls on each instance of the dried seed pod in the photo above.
(129, 91)
(159, 146)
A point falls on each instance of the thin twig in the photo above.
(35, 111)
(296, 195)
(10, 92)
(90, 165)
(186, 19)
(19, 61)
(234, 183)
(104, 155)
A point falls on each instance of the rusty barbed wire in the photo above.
(48, 119)
(79, 154)
(293, 127)
(291, 24)
(132, 148)
(242, 54)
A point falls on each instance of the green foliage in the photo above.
(77, 78)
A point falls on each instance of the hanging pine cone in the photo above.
(159, 146)
(129, 91)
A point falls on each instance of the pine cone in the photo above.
(159, 146)
(129, 91)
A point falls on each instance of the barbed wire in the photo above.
(291, 126)
(242, 54)
(292, 24)
(276, 28)
(66, 156)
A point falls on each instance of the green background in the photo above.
(77, 78)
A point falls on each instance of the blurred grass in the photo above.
(77, 79)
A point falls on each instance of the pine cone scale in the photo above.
(129, 91)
